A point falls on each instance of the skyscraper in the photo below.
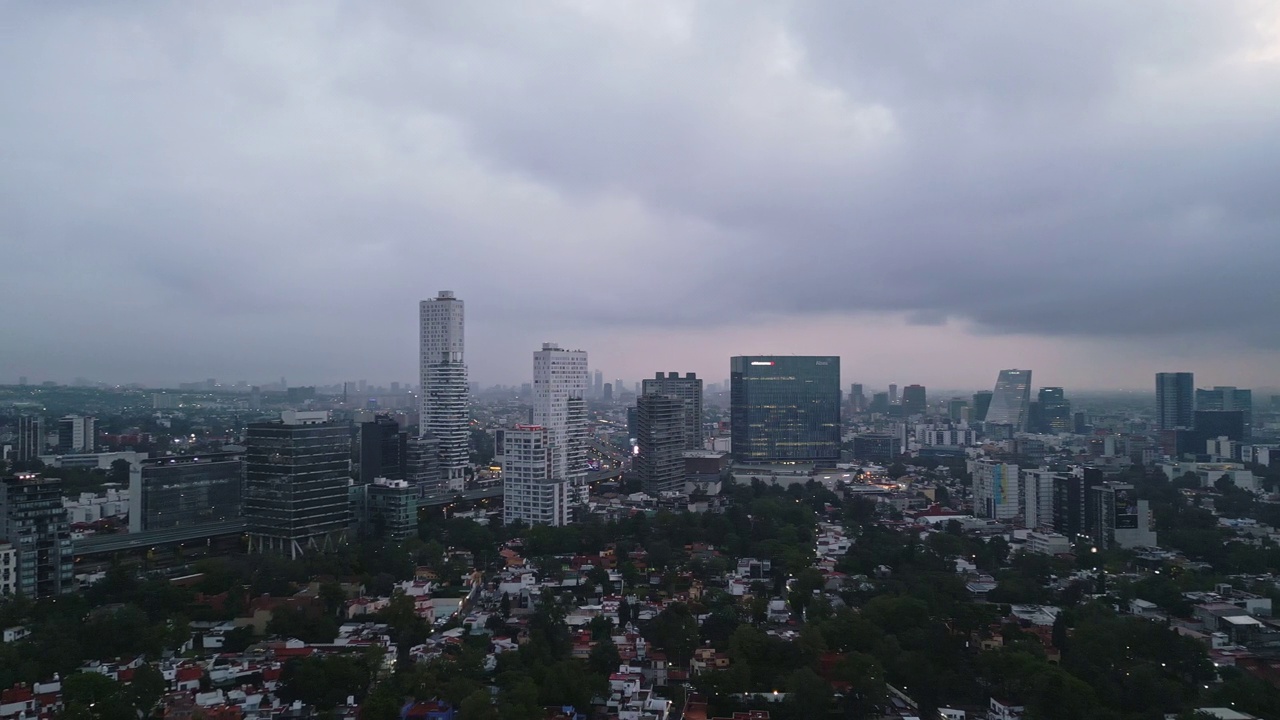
(597, 384)
(661, 427)
(382, 450)
(1175, 400)
(785, 408)
(444, 411)
(981, 403)
(914, 401)
(559, 386)
(1226, 397)
(1055, 410)
(422, 464)
(893, 394)
(857, 398)
(30, 437)
(297, 470)
(687, 389)
(34, 521)
(530, 492)
(1010, 399)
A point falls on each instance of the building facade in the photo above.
(1055, 411)
(785, 408)
(1010, 400)
(30, 438)
(77, 434)
(530, 492)
(1175, 400)
(997, 490)
(661, 425)
(1119, 517)
(981, 404)
(383, 450)
(914, 400)
(34, 521)
(297, 471)
(559, 406)
(422, 464)
(688, 389)
(386, 509)
(879, 448)
(1225, 397)
(444, 410)
(185, 491)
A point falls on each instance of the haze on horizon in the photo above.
(248, 191)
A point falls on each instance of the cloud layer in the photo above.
(249, 190)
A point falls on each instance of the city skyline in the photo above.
(238, 205)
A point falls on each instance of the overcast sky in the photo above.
(933, 191)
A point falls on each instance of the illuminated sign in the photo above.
(761, 362)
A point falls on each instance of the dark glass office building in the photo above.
(785, 408)
(661, 427)
(185, 491)
(297, 471)
(383, 450)
(1175, 400)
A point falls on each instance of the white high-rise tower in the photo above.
(1011, 400)
(444, 411)
(559, 392)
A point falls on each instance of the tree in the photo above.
(676, 631)
(604, 658)
(810, 694)
(478, 706)
(147, 687)
(94, 695)
(504, 607)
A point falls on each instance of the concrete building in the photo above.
(8, 570)
(559, 392)
(77, 434)
(1038, 496)
(530, 491)
(385, 508)
(1010, 400)
(30, 438)
(1120, 518)
(1047, 543)
(688, 389)
(34, 522)
(444, 412)
(185, 491)
(1175, 400)
(660, 440)
(422, 464)
(297, 471)
(945, 436)
(879, 448)
(785, 408)
(997, 490)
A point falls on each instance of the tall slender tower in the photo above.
(1175, 400)
(559, 389)
(1011, 400)
(444, 411)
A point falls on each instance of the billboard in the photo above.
(1126, 510)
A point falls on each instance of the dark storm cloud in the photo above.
(245, 187)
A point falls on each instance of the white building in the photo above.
(997, 490)
(444, 411)
(559, 389)
(945, 436)
(530, 493)
(1037, 494)
(1047, 543)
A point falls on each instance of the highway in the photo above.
(102, 544)
(99, 544)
